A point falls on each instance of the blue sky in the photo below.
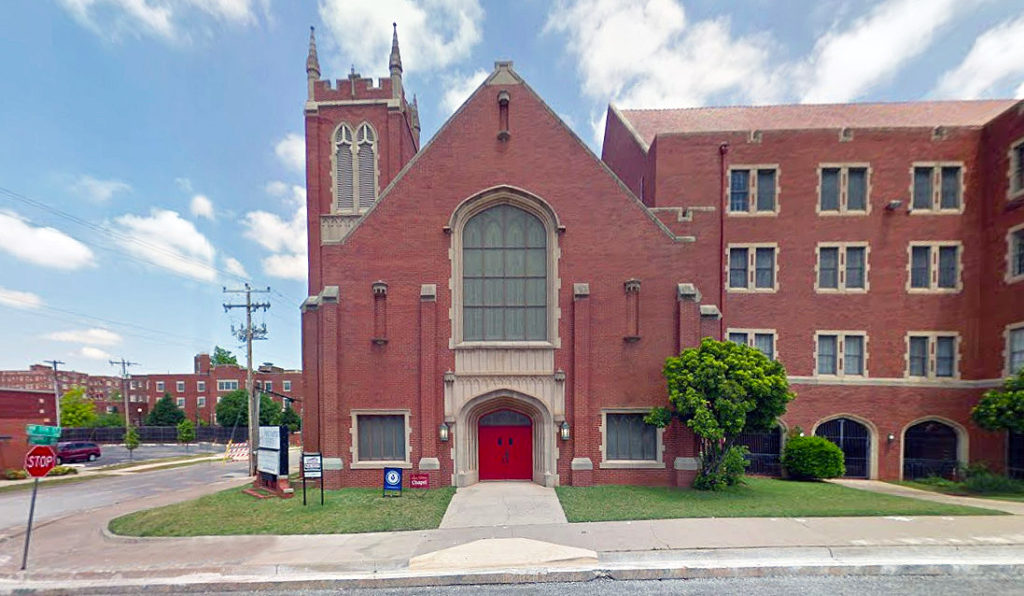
(151, 153)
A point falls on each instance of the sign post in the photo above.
(38, 462)
(392, 482)
(312, 467)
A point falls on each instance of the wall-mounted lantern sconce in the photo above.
(563, 431)
(801, 433)
(443, 432)
(891, 437)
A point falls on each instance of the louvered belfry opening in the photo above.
(343, 168)
(355, 175)
(367, 151)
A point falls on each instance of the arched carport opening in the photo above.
(858, 440)
(764, 450)
(1015, 455)
(933, 447)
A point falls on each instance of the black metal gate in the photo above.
(929, 449)
(1015, 456)
(855, 441)
(765, 449)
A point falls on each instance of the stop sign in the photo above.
(39, 461)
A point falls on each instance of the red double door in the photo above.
(505, 450)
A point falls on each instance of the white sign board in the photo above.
(312, 465)
(268, 461)
(270, 437)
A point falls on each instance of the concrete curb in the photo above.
(205, 581)
(658, 565)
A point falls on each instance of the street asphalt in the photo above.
(60, 500)
(115, 454)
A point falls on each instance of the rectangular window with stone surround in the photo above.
(841, 353)
(762, 340)
(381, 437)
(1015, 188)
(843, 189)
(937, 187)
(934, 267)
(842, 267)
(753, 190)
(1014, 348)
(1015, 254)
(752, 267)
(630, 438)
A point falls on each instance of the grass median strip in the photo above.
(346, 511)
(48, 483)
(758, 497)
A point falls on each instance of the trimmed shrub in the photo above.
(13, 474)
(811, 458)
(62, 471)
(979, 479)
(734, 464)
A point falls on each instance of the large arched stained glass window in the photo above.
(504, 276)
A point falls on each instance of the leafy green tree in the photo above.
(108, 420)
(1003, 408)
(76, 409)
(233, 409)
(186, 432)
(165, 413)
(222, 356)
(131, 440)
(290, 418)
(719, 390)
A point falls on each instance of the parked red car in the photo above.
(68, 452)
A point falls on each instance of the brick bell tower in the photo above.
(359, 134)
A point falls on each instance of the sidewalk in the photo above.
(877, 486)
(78, 553)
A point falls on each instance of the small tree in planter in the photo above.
(720, 389)
(186, 432)
(131, 441)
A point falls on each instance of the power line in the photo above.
(124, 386)
(56, 386)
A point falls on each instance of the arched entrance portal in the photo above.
(505, 444)
(929, 449)
(854, 439)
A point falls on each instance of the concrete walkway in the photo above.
(489, 504)
(876, 486)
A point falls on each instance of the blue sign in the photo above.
(393, 480)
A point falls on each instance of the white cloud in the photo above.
(432, 33)
(666, 61)
(93, 353)
(459, 87)
(647, 53)
(232, 265)
(48, 247)
(165, 239)
(285, 238)
(847, 63)
(19, 299)
(170, 20)
(201, 206)
(997, 56)
(291, 150)
(97, 336)
(1019, 94)
(99, 190)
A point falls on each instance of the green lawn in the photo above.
(959, 490)
(346, 511)
(759, 497)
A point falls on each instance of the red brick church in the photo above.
(498, 302)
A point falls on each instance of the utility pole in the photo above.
(124, 387)
(56, 386)
(248, 334)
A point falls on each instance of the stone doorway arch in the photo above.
(467, 419)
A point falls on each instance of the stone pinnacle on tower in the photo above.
(395, 64)
(312, 63)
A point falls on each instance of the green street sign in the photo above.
(40, 440)
(42, 431)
